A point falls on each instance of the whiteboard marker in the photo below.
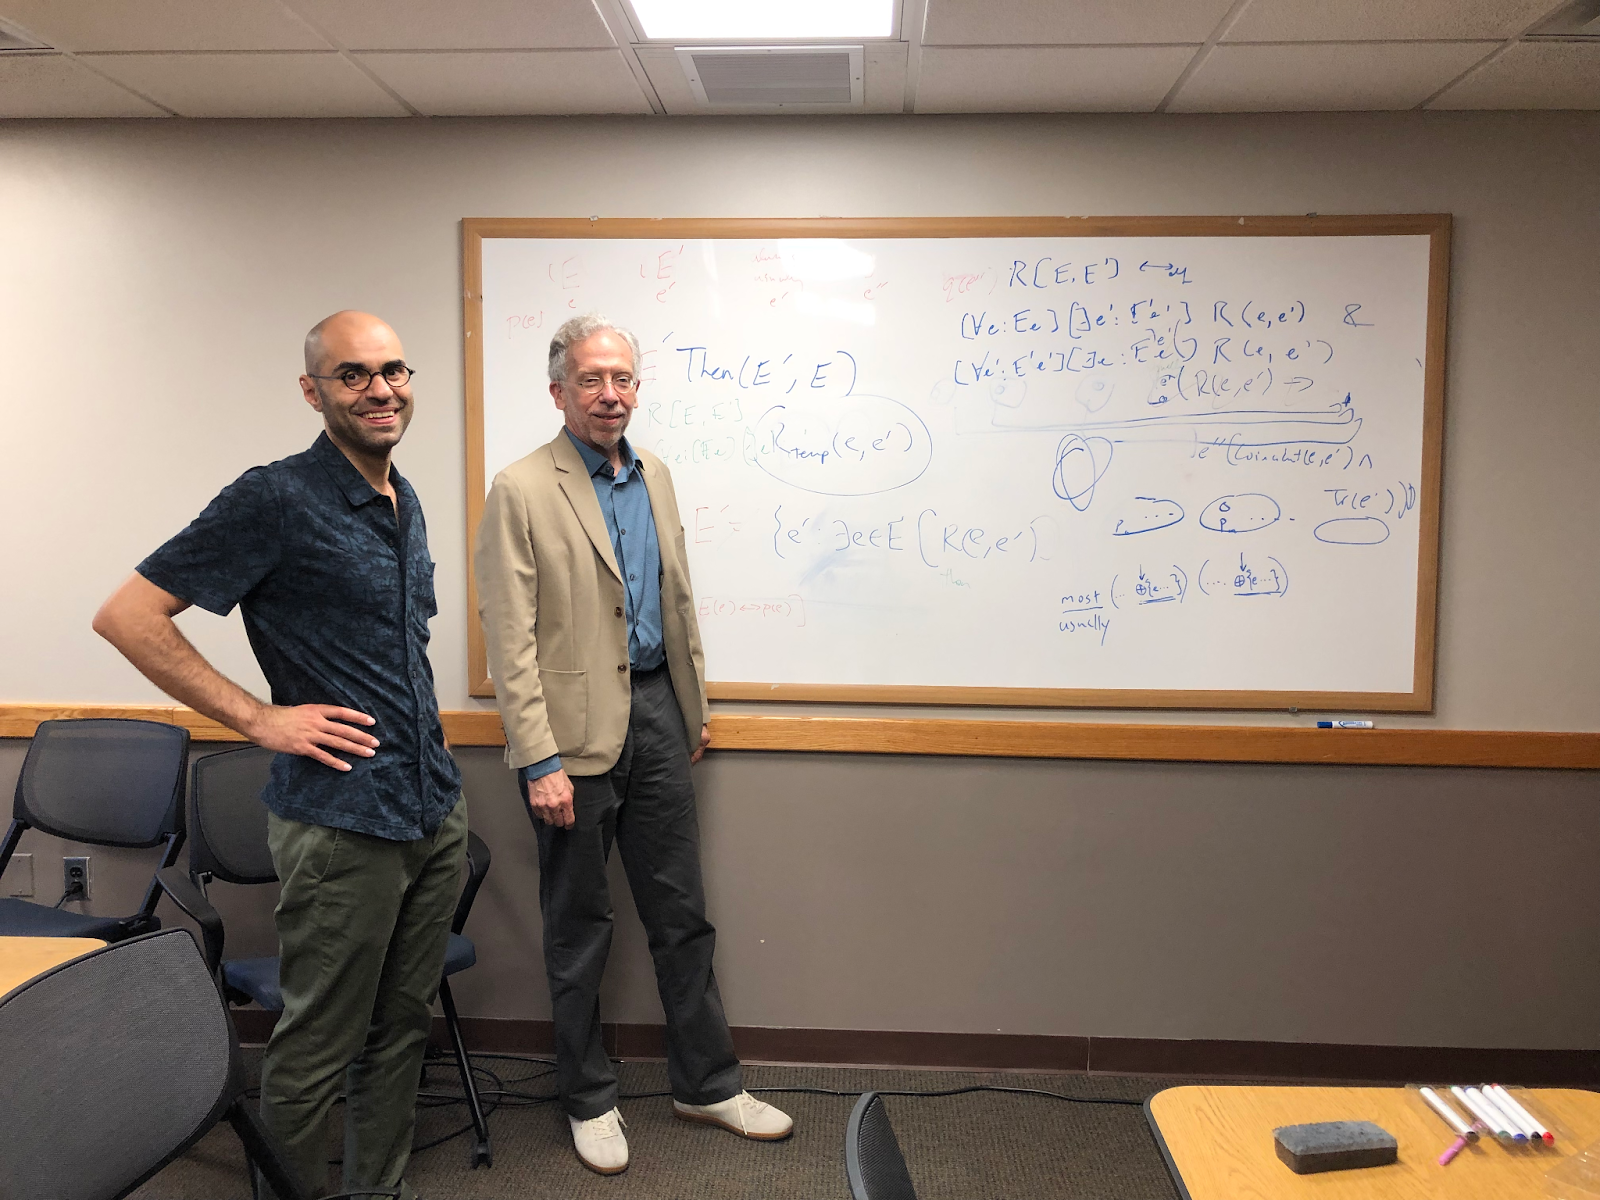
(1503, 1126)
(1344, 724)
(1492, 1120)
(1513, 1122)
(1451, 1117)
(1513, 1106)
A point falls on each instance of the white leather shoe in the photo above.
(742, 1114)
(600, 1144)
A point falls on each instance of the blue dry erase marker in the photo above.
(1344, 724)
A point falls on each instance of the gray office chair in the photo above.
(873, 1164)
(118, 1062)
(108, 782)
(228, 841)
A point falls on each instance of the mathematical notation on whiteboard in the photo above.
(1118, 463)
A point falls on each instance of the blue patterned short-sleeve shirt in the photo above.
(336, 588)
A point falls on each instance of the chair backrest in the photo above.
(107, 781)
(227, 821)
(116, 1063)
(873, 1163)
(477, 868)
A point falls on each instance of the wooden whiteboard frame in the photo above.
(1435, 226)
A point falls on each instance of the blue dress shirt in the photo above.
(625, 504)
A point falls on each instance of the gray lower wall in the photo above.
(1390, 906)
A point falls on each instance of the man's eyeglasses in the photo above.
(359, 379)
(593, 385)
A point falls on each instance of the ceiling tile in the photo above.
(1327, 77)
(512, 82)
(163, 24)
(1061, 79)
(252, 85)
(1384, 20)
(1532, 75)
(479, 25)
(1083, 22)
(661, 64)
(50, 85)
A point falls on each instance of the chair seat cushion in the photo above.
(258, 977)
(459, 954)
(19, 918)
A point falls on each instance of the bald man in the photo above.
(326, 554)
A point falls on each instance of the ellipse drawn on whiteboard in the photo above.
(1080, 462)
(1353, 531)
(1152, 515)
(1244, 513)
(843, 446)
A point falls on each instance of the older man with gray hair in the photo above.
(583, 587)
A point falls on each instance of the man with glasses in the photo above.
(326, 553)
(583, 586)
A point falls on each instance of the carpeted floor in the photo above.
(978, 1146)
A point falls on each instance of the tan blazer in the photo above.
(551, 600)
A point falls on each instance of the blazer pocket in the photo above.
(566, 706)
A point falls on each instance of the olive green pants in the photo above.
(362, 923)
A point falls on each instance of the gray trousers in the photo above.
(646, 804)
(362, 924)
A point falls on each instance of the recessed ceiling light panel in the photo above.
(763, 20)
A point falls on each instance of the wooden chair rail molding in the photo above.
(1003, 739)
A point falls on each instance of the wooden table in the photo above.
(1218, 1144)
(21, 958)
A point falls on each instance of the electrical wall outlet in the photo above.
(18, 879)
(75, 878)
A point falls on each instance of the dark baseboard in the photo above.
(1291, 1061)
(1325, 1061)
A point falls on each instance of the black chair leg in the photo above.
(261, 1153)
(481, 1154)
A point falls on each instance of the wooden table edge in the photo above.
(1161, 1141)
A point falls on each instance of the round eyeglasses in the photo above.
(593, 385)
(359, 379)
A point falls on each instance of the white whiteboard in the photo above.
(1093, 469)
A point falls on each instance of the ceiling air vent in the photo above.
(774, 76)
(1577, 22)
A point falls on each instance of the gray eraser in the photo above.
(1334, 1146)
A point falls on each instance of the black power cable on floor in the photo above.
(505, 1094)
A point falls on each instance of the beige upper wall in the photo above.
(158, 277)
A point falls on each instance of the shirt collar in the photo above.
(350, 481)
(594, 460)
